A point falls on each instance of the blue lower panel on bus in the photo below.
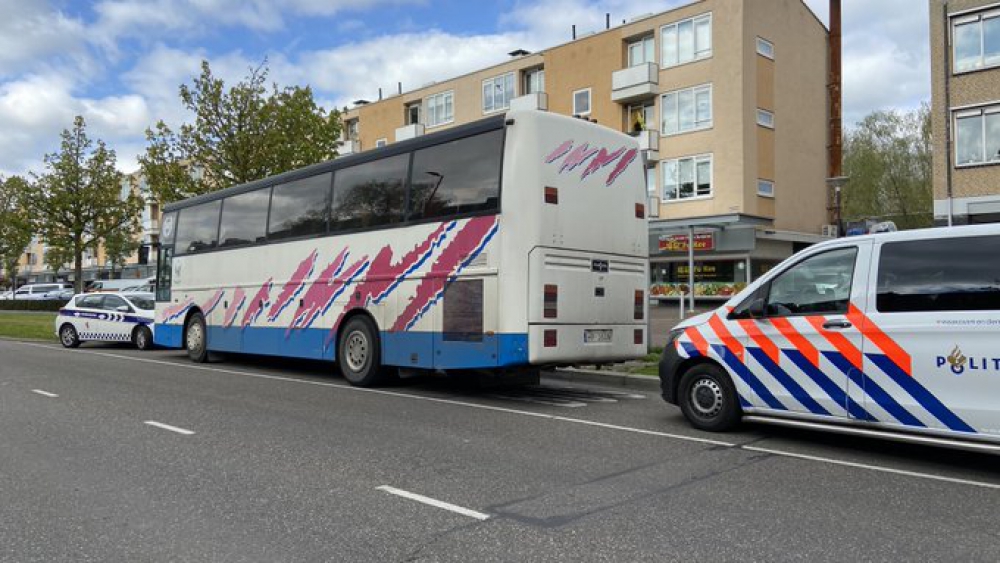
(406, 349)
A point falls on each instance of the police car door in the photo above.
(932, 331)
(116, 325)
(88, 312)
(800, 346)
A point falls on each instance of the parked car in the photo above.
(39, 291)
(114, 285)
(60, 294)
(144, 285)
(886, 332)
(107, 317)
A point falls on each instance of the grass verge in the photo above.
(30, 326)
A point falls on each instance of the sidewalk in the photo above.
(664, 317)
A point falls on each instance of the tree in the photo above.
(56, 259)
(119, 245)
(15, 228)
(239, 134)
(888, 160)
(78, 202)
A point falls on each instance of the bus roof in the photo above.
(481, 126)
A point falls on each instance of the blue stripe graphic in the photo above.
(920, 393)
(690, 350)
(800, 394)
(835, 392)
(873, 390)
(749, 378)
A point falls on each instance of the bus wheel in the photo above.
(196, 340)
(68, 336)
(359, 353)
(708, 399)
(142, 338)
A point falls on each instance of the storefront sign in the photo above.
(679, 243)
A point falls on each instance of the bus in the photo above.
(510, 244)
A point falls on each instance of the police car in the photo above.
(107, 317)
(893, 335)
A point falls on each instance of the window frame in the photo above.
(694, 90)
(381, 142)
(765, 48)
(763, 193)
(982, 112)
(529, 74)
(768, 116)
(979, 18)
(493, 81)
(590, 101)
(695, 160)
(440, 97)
(648, 53)
(664, 63)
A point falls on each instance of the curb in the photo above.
(605, 377)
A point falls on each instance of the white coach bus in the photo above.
(514, 242)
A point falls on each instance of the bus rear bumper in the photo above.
(570, 343)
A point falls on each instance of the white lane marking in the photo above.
(170, 428)
(879, 468)
(434, 502)
(345, 387)
(44, 393)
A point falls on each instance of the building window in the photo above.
(686, 40)
(352, 129)
(765, 188)
(687, 178)
(977, 136)
(380, 142)
(581, 102)
(976, 41)
(642, 51)
(651, 180)
(765, 48)
(498, 92)
(440, 108)
(642, 117)
(534, 81)
(765, 118)
(413, 114)
(687, 110)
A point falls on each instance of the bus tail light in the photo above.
(551, 301)
(639, 297)
(552, 195)
(637, 336)
(640, 211)
(549, 338)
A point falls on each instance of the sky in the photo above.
(119, 63)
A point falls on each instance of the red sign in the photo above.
(679, 243)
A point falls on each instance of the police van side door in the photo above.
(799, 342)
(932, 330)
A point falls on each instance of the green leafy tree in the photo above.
(15, 228)
(78, 202)
(56, 259)
(119, 245)
(240, 133)
(887, 157)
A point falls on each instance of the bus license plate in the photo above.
(597, 336)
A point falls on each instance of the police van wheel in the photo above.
(359, 353)
(142, 338)
(196, 339)
(68, 336)
(708, 399)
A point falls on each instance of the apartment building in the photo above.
(965, 110)
(728, 100)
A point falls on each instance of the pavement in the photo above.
(110, 454)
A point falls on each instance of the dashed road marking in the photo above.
(44, 393)
(176, 429)
(436, 503)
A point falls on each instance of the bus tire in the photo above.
(708, 398)
(142, 338)
(68, 336)
(359, 353)
(196, 338)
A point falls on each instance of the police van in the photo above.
(894, 335)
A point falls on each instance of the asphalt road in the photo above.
(109, 454)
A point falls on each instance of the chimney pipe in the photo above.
(380, 93)
(607, 20)
(574, 32)
(400, 85)
(835, 155)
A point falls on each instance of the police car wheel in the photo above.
(359, 353)
(708, 399)
(142, 338)
(68, 336)
(196, 339)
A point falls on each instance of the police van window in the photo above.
(299, 208)
(198, 227)
(370, 194)
(462, 176)
(244, 218)
(949, 274)
(819, 285)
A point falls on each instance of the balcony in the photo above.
(151, 227)
(409, 131)
(649, 144)
(635, 83)
(348, 147)
(535, 100)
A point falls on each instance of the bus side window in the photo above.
(370, 194)
(461, 176)
(243, 218)
(198, 227)
(298, 208)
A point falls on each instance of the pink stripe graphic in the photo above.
(239, 299)
(622, 166)
(294, 286)
(259, 302)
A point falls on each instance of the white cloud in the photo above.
(30, 31)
